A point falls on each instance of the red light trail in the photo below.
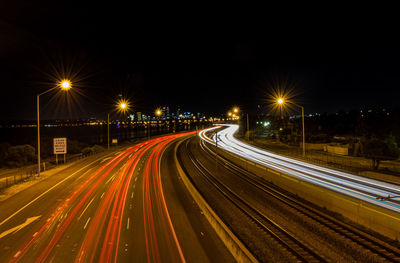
(101, 241)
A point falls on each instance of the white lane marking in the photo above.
(84, 210)
(105, 159)
(17, 254)
(87, 222)
(42, 194)
(136, 178)
(127, 225)
(101, 197)
(132, 195)
(19, 227)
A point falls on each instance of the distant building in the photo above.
(165, 113)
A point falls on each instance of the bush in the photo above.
(97, 148)
(74, 147)
(94, 149)
(4, 153)
(20, 155)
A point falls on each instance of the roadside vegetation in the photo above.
(14, 156)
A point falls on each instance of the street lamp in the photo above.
(281, 102)
(63, 85)
(122, 106)
(158, 112)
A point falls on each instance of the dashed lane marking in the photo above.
(87, 222)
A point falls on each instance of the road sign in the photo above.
(60, 145)
(114, 141)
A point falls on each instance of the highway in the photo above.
(122, 206)
(376, 192)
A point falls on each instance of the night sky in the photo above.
(198, 58)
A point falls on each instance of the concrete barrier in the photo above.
(381, 220)
(232, 243)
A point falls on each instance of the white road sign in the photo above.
(60, 145)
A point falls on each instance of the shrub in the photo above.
(94, 149)
(20, 155)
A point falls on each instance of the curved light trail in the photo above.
(369, 190)
(99, 204)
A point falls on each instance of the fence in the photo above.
(320, 158)
(30, 173)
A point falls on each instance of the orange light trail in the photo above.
(102, 238)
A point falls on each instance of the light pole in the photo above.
(64, 85)
(122, 106)
(281, 101)
(158, 113)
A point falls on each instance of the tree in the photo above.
(377, 150)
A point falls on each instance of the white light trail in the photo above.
(365, 189)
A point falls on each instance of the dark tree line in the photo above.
(376, 132)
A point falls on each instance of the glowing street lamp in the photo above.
(235, 109)
(122, 106)
(64, 85)
(281, 102)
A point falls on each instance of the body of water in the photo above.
(91, 134)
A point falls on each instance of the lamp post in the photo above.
(158, 113)
(281, 101)
(64, 85)
(122, 106)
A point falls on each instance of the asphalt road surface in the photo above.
(123, 206)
